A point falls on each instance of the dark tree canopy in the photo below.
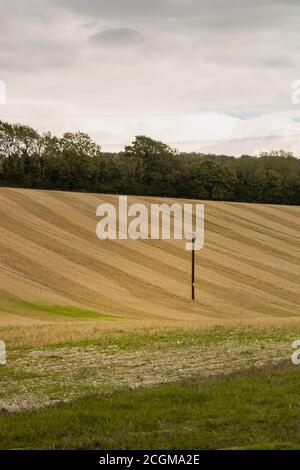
(146, 167)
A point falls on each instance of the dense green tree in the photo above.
(146, 167)
(152, 167)
(210, 180)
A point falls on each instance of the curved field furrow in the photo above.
(50, 255)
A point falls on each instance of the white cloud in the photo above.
(199, 67)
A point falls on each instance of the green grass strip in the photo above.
(258, 410)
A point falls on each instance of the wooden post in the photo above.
(193, 267)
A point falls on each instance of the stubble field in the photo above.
(83, 317)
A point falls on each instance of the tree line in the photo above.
(74, 162)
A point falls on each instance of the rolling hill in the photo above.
(53, 266)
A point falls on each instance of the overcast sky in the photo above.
(204, 75)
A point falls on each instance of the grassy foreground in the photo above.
(38, 377)
(255, 410)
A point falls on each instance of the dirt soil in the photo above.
(249, 269)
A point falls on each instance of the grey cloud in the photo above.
(207, 13)
(148, 56)
(118, 37)
(34, 35)
(117, 8)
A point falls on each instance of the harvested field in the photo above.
(35, 378)
(54, 269)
